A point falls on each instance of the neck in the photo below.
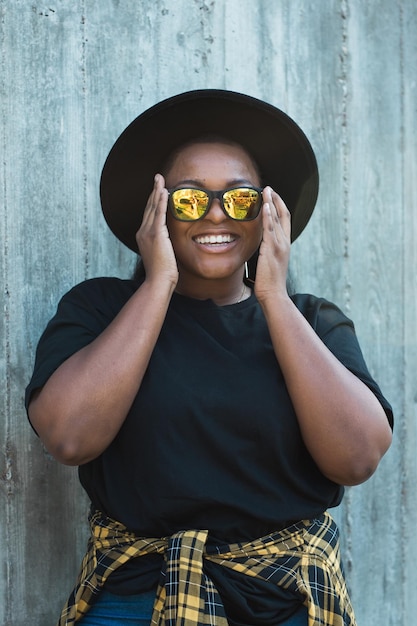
(220, 293)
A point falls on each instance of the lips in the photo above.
(214, 239)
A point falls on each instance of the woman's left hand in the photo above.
(342, 423)
(274, 252)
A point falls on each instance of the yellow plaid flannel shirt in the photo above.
(303, 558)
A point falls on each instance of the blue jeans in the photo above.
(113, 610)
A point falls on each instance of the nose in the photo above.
(215, 213)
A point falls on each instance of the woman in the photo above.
(214, 419)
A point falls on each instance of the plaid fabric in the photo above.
(303, 558)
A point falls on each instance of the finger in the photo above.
(156, 201)
(149, 204)
(271, 223)
(282, 212)
(161, 199)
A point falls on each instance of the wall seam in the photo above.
(7, 473)
(403, 430)
(84, 142)
(344, 12)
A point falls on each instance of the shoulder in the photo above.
(92, 303)
(100, 292)
(322, 314)
(82, 314)
(103, 287)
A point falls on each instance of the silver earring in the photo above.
(246, 270)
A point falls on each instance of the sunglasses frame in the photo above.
(215, 195)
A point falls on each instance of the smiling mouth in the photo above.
(214, 239)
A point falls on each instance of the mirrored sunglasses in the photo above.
(239, 203)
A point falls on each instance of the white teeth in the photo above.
(215, 239)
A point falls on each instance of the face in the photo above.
(213, 166)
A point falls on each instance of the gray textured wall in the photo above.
(74, 74)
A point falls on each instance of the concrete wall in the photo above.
(74, 74)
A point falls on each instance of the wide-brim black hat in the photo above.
(278, 145)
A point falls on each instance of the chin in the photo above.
(219, 272)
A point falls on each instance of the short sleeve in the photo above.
(337, 332)
(82, 314)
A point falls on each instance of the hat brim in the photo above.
(278, 145)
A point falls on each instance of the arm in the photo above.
(82, 406)
(342, 423)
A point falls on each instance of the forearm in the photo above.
(342, 423)
(85, 402)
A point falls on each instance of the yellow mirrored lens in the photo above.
(241, 203)
(189, 204)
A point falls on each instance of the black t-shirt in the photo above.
(211, 440)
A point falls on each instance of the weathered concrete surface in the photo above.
(74, 74)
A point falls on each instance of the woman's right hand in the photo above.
(153, 237)
(80, 409)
